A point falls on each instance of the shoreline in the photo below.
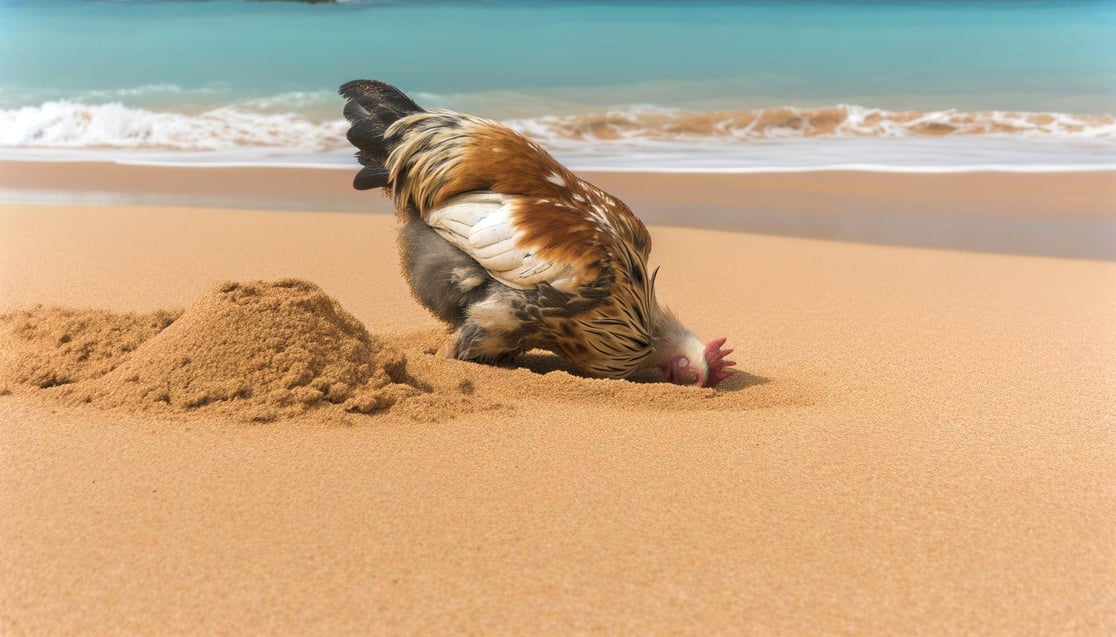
(1069, 214)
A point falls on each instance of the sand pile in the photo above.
(258, 351)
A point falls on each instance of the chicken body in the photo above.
(515, 251)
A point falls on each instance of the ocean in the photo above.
(610, 84)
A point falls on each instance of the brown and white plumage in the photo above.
(514, 250)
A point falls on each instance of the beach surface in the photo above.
(920, 439)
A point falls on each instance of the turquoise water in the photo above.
(223, 75)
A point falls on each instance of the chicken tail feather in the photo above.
(372, 107)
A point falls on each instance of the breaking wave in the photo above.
(789, 122)
(66, 124)
(283, 130)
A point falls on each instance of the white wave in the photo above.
(647, 138)
(653, 124)
(65, 124)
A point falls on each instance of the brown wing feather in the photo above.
(440, 154)
(507, 162)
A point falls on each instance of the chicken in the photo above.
(513, 250)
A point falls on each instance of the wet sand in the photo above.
(1044, 214)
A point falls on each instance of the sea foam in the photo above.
(790, 122)
(67, 124)
(282, 130)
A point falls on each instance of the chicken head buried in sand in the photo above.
(515, 251)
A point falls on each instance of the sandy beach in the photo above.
(920, 439)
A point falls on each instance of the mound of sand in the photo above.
(256, 350)
(276, 349)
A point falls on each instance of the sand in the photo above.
(255, 351)
(920, 441)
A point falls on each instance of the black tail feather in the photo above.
(364, 131)
(371, 176)
(372, 107)
(374, 95)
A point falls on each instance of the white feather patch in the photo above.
(494, 314)
(481, 224)
(466, 278)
